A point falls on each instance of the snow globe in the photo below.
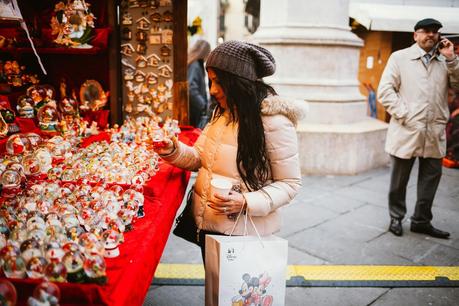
(73, 262)
(11, 181)
(53, 251)
(8, 292)
(95, 269)
(31, 166)
(14, 267)
(111, 240)
(91, 244)
(45, 158)
(55, 271)
(17, 144)
(46, 293)
(30, 248)
(35, 267)
(34, 139)
(25, 107)
(48, 118)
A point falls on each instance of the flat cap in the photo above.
(427, 23)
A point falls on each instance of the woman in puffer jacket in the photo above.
(250, 140)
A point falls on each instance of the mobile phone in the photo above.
(439, 45)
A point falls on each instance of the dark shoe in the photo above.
(396, 227)
(429, 230)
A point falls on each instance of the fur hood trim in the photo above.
(294, 110)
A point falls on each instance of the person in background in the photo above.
(414, 89)
(250, 141)
(451, 159)
(197, 83)
(371, 99)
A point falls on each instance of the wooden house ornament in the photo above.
(167, 16)
(165, 51)
(155, 38)
(127, 19)
(165, 71)
(134, 3)
(139, 76)
(129, 74)
(155, 17)
(165, 2)
(127, 49)
(167, 36)
(143, 24)
(152, 78)
(143, 3)
(141, 61)
(153, 60)
(154, 4)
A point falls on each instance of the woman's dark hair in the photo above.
(244, 99)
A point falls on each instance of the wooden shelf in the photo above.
(57, 50)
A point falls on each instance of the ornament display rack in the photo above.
(101, 62)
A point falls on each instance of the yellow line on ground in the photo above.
(326, 272)
(186, 271)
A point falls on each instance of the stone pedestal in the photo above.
(317, 58)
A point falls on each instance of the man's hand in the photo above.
(446, 48)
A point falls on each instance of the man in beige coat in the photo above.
(413, 89)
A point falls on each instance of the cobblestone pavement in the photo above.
(343, 220)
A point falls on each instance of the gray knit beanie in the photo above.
(243, 59)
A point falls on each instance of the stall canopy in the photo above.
(401, 18)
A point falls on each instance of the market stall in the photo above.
(86, 205)
(130, 274)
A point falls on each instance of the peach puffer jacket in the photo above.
(214, 154)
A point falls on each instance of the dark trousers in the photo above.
(202, 243)
(429, 175)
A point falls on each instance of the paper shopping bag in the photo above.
(244, 270)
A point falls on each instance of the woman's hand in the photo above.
(164, 147)
(228, 205)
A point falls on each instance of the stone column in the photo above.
(317, 61)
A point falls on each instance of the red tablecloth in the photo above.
(130, 274)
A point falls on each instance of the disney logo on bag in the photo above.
(230, 256)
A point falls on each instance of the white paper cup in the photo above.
(221, 186)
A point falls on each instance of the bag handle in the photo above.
(245, 233)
